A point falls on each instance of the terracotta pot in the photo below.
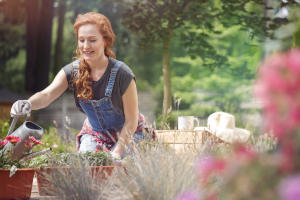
(45, 187)
(18, 186)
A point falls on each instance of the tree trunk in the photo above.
(32, 7)
(44, 45)
(268, 12)
(166, 75)
(59, 39)
(267, 15)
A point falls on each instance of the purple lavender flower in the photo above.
(289, 188)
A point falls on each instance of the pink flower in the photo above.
(289, 188)
(243, 153)
(189, 195)
(288, 155)
(35, 141)
(28, 144)
(278, 86)
(12, 139)
(208, 165)
(3, 143)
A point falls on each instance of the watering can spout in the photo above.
(26, 130)
(35, 154)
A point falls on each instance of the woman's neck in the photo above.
(99, 64)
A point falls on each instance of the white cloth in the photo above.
(222, 125)
(20, 108)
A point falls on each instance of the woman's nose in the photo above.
(86, 44)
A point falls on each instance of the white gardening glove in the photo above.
(20, 108)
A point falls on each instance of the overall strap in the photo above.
(75, 65)
(112, 78)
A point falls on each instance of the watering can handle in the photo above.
(13, 123)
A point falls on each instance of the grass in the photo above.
(155, 171)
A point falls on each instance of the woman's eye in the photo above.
(81, 41)
(92, 40)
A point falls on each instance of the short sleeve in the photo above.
(125, 76)
(68, 69)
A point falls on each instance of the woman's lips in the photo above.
(88, 53)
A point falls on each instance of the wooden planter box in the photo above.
(182, 140)
(45, 187)
(18, 186)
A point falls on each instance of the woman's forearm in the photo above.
(43, 98)
(126, 133)
(39, 100)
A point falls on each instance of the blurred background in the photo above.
(190, 57)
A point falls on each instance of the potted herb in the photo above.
(49, 166)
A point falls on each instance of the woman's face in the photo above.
(90, 42)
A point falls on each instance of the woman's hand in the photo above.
(117, 160)
(20, 108)
(115, 156)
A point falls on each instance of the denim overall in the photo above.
(103, 121)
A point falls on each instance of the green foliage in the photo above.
(202, 91)
(4, 124)
(11, 41)
(7, 163)
(12, 77)
(67, 159)
(12, 29)
(286, 36)
(54, 140)
(296, 38)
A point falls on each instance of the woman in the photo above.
(104, 89)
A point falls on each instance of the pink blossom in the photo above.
(293, 61)
(35, 141)
(289, 188)
(3, 143)
(12, 139)
(243, 153)
(28, 144)
(288, 155)
(208, 165)
(278, 86)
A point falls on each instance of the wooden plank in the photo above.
(35, 193)
(186, 137)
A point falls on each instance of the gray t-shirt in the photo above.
(123, 78)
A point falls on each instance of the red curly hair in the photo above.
(83, 81)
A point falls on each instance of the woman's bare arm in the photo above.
(43, 98)
(130, 104)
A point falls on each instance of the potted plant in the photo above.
(15, 175)
(51, 166)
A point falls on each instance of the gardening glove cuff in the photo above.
(20, 108)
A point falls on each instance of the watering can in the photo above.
(26, 130)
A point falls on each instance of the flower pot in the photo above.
(101, 172)
(45, 187)
(18, 186)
